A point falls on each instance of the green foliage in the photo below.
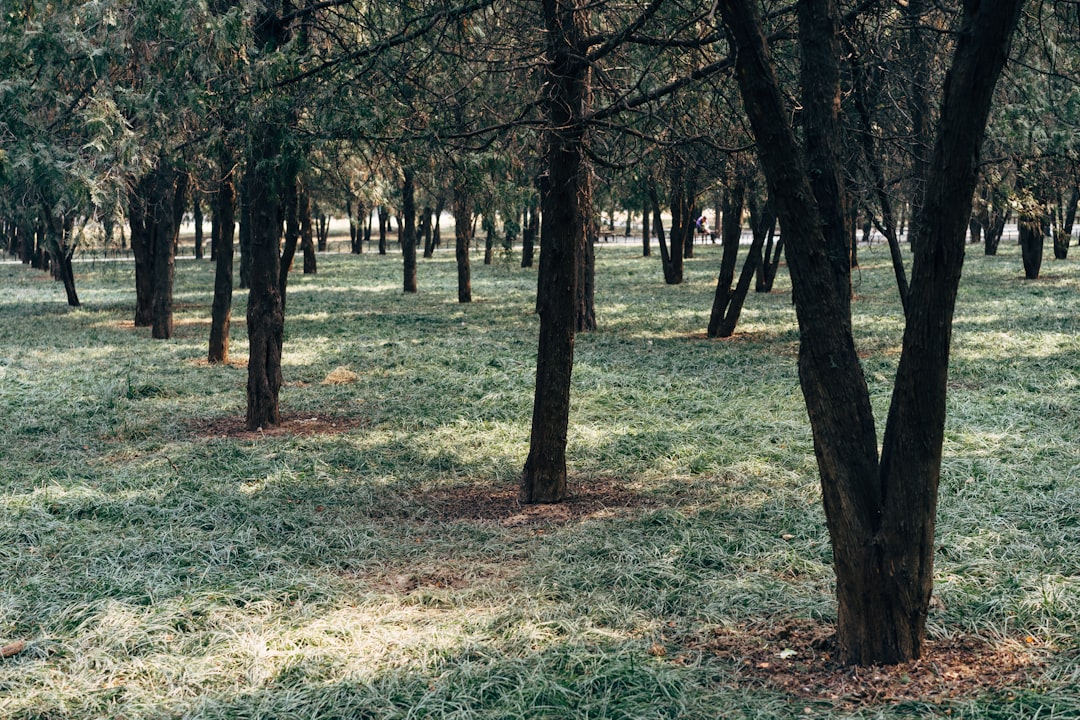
(160, 567)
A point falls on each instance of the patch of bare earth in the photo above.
(292, 424)
(799, 657)
(597, 498)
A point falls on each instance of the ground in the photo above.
(793, 655)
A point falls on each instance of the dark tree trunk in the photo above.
(586, 287)
(646, 245)
(221, 310)
(408, 236)
(307, 239)
(1063, 234)
(489, 239)
(918, 53)
(425, 231)
(289, 203)
(168, 211)
(566, 209)
(266, 308)
(61, 248)
(763, 222)
(215, 229)
(354, 233)
(529, 235)
(881, 515)
(384, 222)
(436, 226)
(462, 241)
(322, 231)
(728, 301)
(1031, 244)
(245, 232)
(197, 217)
(140, 219)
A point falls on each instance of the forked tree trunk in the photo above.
(221, 309)
(728, 300)
(881, 514)
(566, 209)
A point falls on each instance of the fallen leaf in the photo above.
(12, 649)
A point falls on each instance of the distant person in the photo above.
(703, 226)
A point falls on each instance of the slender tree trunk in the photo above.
(408, 237)
(1063, 234)
(221, 310)
(289, 203)
(307, 239)
(168, 211)
(489, 239)
(646, 249)
(245, 232)
(384, 222)
(586, 287)
(197, 217)
(567, 209)
(426, 233)
(529, 235)
(462, 241)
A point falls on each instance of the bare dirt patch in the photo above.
(799, 657)
(596, 498)
(292, 424)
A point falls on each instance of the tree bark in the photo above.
(1031, 244)
(167, 213)
(307, 236)
(408, 236)
(462, 241)
(140, 219)
(566, 210)
(221, 309)
(881, 515)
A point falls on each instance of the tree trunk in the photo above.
(462, 241)
(408, 236)
(197, 217)
(1031, 244)
(566, 209)
(307, 238)
(646, 245)
(245, 232)
(168, 211)
(140, 218)
(61, 248)
(529, 235)
(1063, 234)
(426, 233)
(289, 203)
(489, 239)
(881, 516)
(221, 310)
(384, 222)
(728, 301)
(586, 287)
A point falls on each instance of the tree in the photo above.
(880, 512)
(566, 210)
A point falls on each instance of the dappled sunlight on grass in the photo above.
(369, 557)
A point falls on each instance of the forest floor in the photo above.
(368, 558)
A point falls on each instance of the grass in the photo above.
(156, 570)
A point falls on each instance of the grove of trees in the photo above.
(933, 123)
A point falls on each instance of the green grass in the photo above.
(156, 571)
